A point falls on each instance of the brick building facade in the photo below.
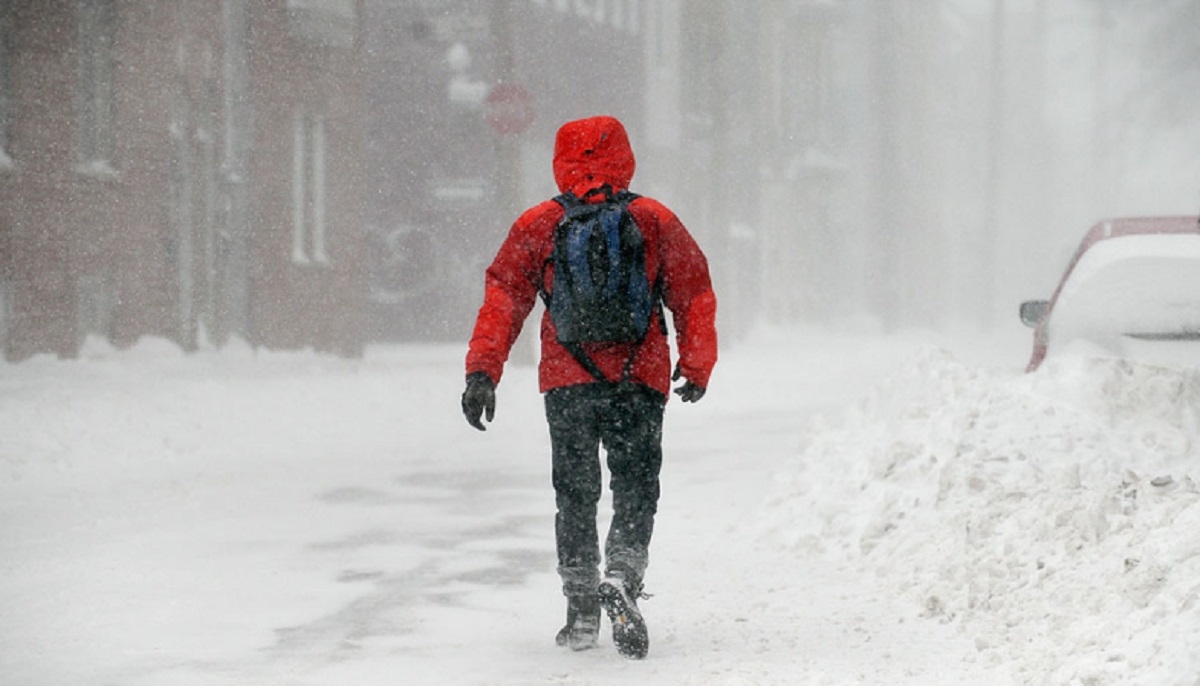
(184, 170)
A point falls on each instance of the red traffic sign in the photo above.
(508, 108)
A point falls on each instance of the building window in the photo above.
(308, 188)
(6, 87)
(97, 35)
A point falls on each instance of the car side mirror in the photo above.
(1033, 311)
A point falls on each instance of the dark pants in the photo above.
(627, 421)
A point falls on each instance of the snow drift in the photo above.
(1052, 516)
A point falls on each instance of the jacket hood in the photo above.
(589, 153)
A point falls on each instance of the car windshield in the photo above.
(1136, 295)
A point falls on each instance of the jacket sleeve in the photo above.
(688, 293)
(511, 286)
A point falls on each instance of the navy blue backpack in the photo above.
(601, 292)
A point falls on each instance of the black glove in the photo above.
(479, 397)
(689, 391)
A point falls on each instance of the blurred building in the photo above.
(465, 99)
(747, 109)
(800, 143)
(185, 170)
(327, 172)
(738, 114)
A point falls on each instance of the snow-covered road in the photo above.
(290, 519)
(241, 518)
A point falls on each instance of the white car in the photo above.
(1132, 290)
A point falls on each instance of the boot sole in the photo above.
(629, 629)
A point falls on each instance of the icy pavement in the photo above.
(236, 518)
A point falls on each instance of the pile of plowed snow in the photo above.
(1054, 516)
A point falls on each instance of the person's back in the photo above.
(598, 392)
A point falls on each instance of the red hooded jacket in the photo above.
(589, 153)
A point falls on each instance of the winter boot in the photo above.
(619, 598)
(583, 623)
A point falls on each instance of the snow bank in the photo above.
(1053, 516)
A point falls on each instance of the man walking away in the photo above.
(605, 261)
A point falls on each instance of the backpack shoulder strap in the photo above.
(584, 360)
(625, 197)
(567, 200)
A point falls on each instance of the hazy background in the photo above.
(332, 173)
(884, 162)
